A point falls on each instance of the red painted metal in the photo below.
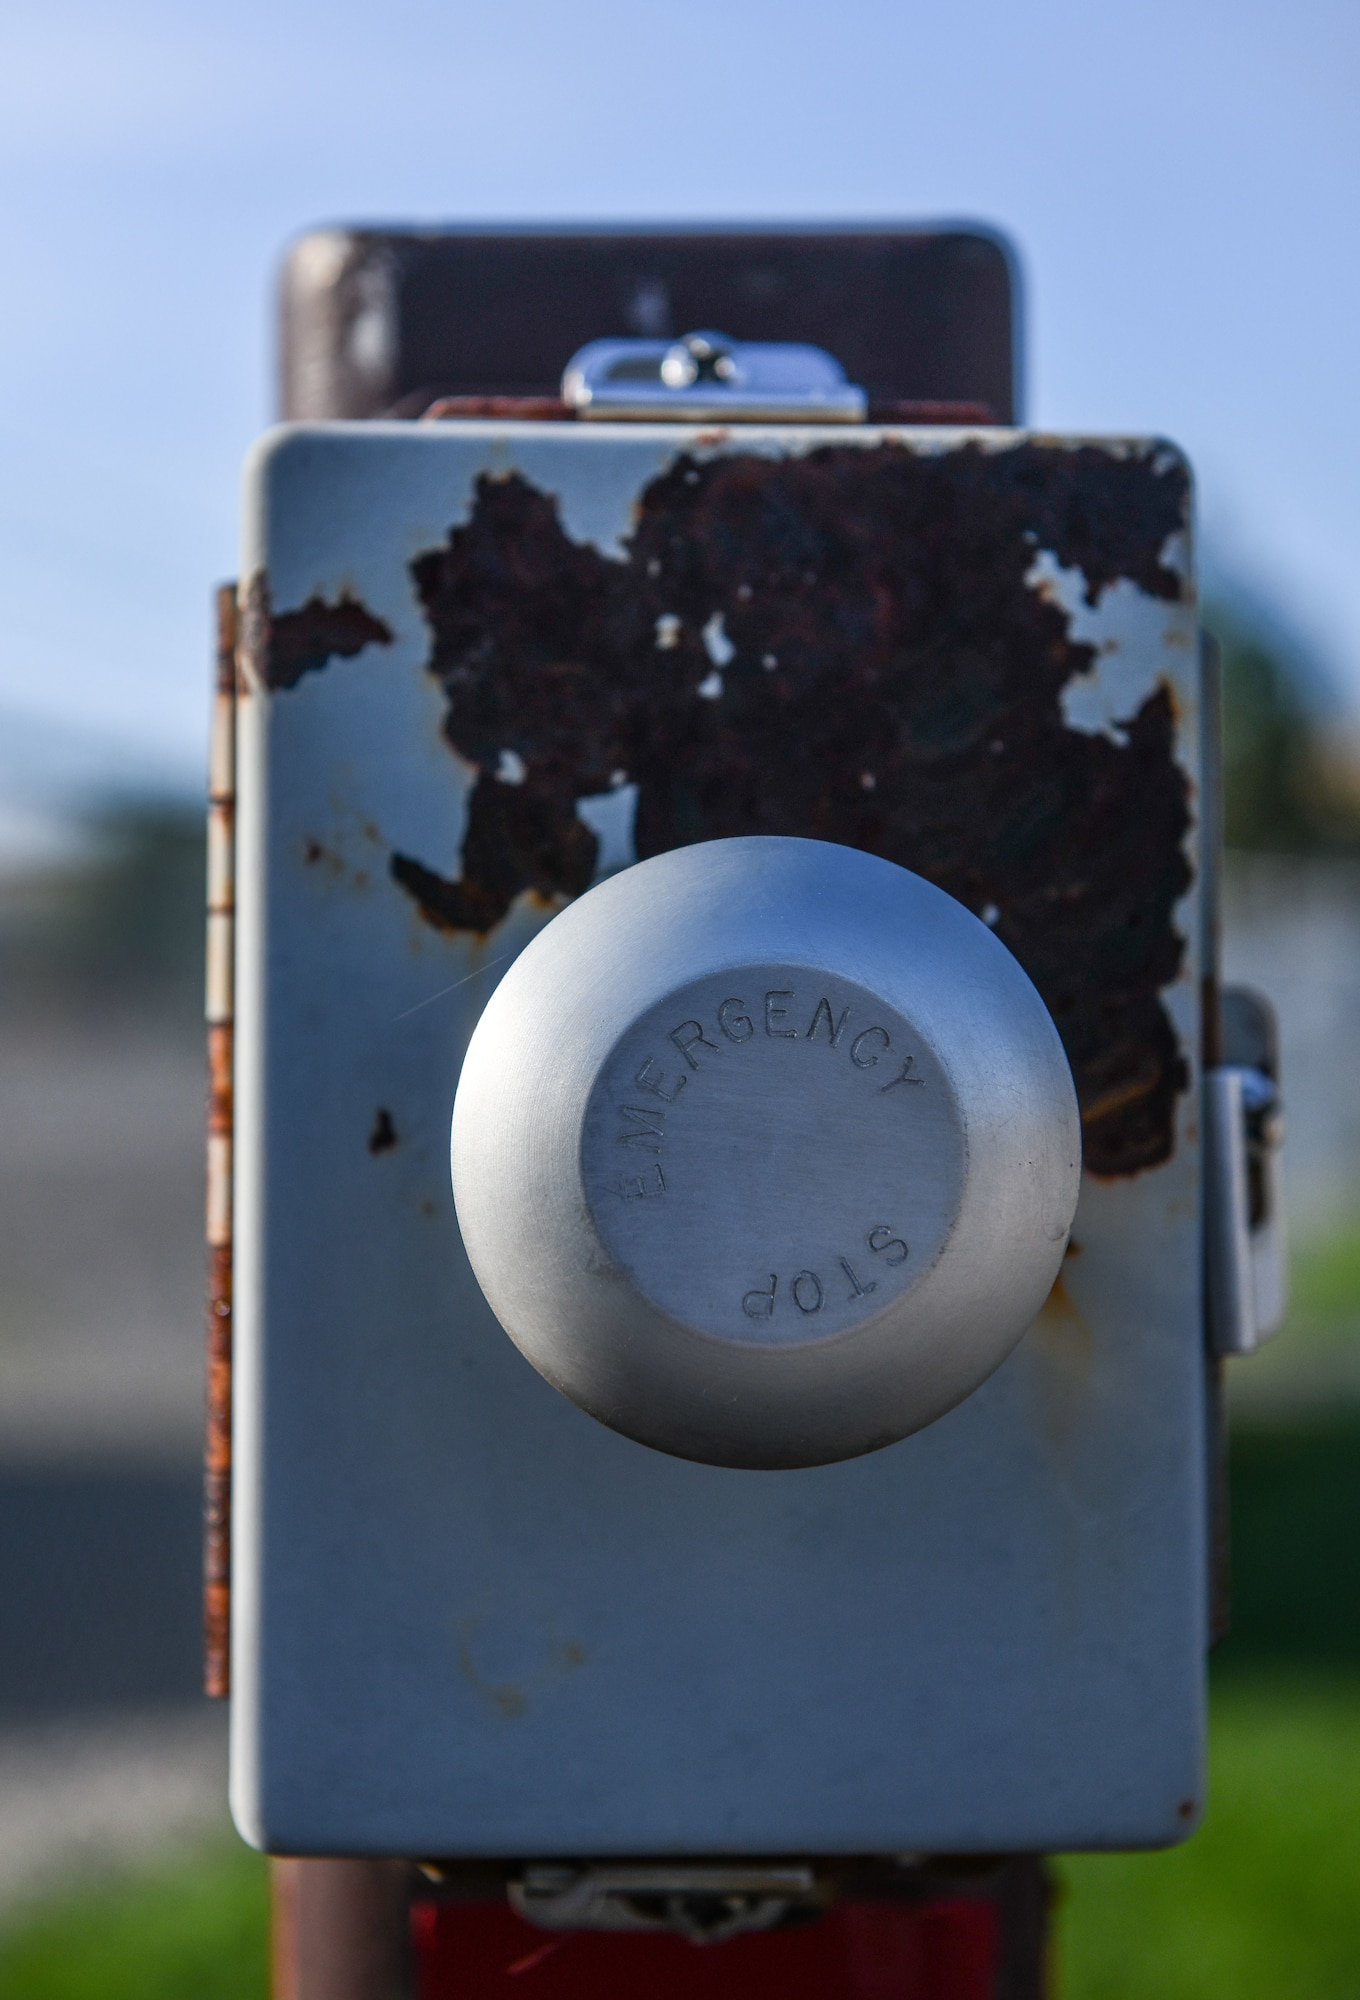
(945, 1948)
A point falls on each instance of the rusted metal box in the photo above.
(481, 664)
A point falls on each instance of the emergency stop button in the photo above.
(765, 1152)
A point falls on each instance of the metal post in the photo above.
(340, 1930)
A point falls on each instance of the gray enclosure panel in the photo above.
(468, 1618)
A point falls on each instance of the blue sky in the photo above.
(1181, 181)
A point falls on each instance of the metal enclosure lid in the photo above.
(468, 1619)
(384, 320)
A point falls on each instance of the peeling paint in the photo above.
(896, 591)
(383, 1136)
(714, 635)
(282, 646)
(1134, 638)
(610, 816)
(942, 656)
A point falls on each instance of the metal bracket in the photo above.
(221, 1016)
(1243, 1131)
(703, 1902)
(707, 378)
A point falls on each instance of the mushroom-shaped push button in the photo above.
(765, 1152)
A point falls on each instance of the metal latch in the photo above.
(706, 377)
(1243, 1130)
(702, 1901)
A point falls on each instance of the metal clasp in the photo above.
(707, 378)
(1243, 1131)
(704, 1902)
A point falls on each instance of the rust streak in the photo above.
(1122, 1095)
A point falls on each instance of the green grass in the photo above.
(1295, 1563)
(1264, 1902)
(1312, 1366)
(1326, 1280)
(195, 1930)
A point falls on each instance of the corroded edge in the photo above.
(221, 1031)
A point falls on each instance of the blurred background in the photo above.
(1181, 183)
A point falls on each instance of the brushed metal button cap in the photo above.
(765, 1152)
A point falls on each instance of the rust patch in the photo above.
(521, 409)
(551, 409)
(217, 1473)
(282, 646)
(883, 677)
(518, 837)
(919, 412)
(383, 1137)
(217, 1479)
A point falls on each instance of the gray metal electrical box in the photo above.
(484, 664)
